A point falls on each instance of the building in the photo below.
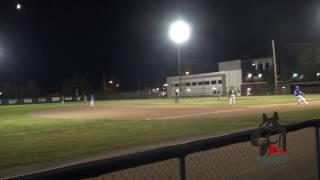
(205, 84)
(255, 75)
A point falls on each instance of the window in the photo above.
(213, 82)
(206, 83)
(260, 67)
(200, 83)
(176, 85)
(194, 83)
(187, 84)
(219, 81)
(267, 65)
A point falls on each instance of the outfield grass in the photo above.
(56, 139)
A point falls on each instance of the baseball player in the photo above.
(176, 97)
(91, 100)
(248, 91)
(85, 101)
(62, 99)
(219, 94)
(214, 91)
(232, 96)
(298, 93)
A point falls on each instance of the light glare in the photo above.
(179, 32)
(18, 6)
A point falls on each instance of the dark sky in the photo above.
(50, 40)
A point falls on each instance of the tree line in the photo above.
(75, 86)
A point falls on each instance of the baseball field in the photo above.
(44, 135)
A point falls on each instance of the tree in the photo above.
(31, 89)
(67, 88)
(308, 62)
(70, 85)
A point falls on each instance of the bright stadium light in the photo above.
(253, 64)
(117, 85)
(110, 82)
(249, 75)
(179, 31)
(295, 75)
(260, 75)
(318, 74)
(18, 6)
(188, 90)
(0, 93)
(187, 72)
(157, 89)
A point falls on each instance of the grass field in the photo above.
(28, 138)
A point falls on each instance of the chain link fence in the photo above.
(225, 157)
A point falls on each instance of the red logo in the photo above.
(274, 150)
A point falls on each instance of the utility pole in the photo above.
(179, 70)
(103, 83)
(275, 68)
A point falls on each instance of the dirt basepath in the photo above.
(161, 112)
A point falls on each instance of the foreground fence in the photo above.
(230, 156)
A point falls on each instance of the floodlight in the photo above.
(18, 6)
(179, 31)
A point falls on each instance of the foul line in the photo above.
(198, 114)
(41, 131)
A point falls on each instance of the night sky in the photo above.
(50, 40)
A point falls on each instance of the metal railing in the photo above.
(185, 163)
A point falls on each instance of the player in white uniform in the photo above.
(232, 96)
(91, 100)
(298, 93)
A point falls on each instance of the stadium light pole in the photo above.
(179, 32)
(275, 67)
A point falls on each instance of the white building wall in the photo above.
(198, 84)
(233, 79)
(231, 75)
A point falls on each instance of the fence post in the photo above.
(317, 151)
(182, 164)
